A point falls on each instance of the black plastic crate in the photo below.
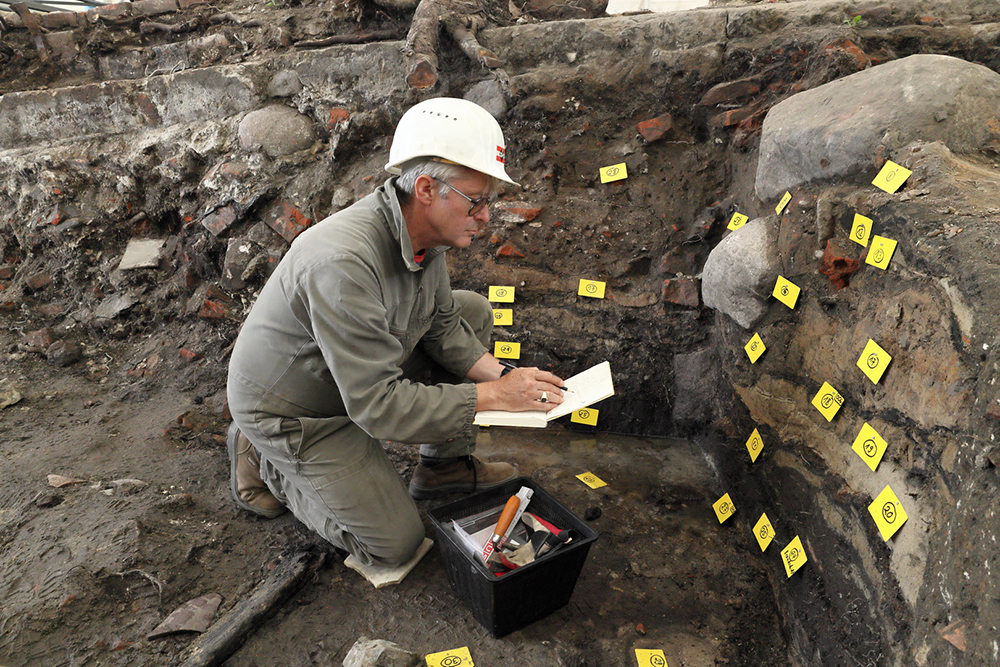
(517, 598)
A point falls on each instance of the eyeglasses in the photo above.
(478, 204)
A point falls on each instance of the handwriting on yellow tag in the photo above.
(881, 252)
(591, 480)
(591, 288)
(737, 221)
(785, 198)
(724, 508)
(888, 513)
(786, 291)
(763, 531)
(456, 657)
(793, 556)
(501, 294)
(891, 177)
(873, 361)
(615, 172)
(754, 348)
(502, 350)
(861, 229)
(650, 657)
(870, 446)
(503, 317)
(585, 416)
(828, 401)
(755, 445)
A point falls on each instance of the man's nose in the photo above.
(482, 216)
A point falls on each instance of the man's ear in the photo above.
(423, 189)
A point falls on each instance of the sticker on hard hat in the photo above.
(500, 154)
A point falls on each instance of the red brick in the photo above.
(338, 116)
(681, 291)
(655, 129)
(517, 211)
(507, 250)
(189, 355)
(219, 220)
(837, 264)
(730, 91)
(844, 45)
(287, 220)
(41, 338)
(735, 116)
(38, 281)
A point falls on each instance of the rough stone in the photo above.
(63, 353)
(38, 281)
(154, 7)
(740, 272)
(836, 130)
(40, 339)
(141, 254)
(277, 130)
(113, 306)
(219, 220)
(9, 395)
(284, 218)
(696, 383)
(730, 91)
(57, 20)
(284, 84)
(238, 256)
(380, 653)
(489, 95)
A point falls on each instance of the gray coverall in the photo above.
(321, 372)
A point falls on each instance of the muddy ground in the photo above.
(91, 568)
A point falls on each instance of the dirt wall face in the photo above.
(118, 152)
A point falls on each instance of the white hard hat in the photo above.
(452, 130)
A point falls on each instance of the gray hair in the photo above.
(406, 182)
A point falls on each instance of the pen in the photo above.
(508, 366)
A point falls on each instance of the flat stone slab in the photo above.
(838, 129)
(379, 576)
(141, 254)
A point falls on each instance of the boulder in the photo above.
(740, 271)
(276, 130)
(840, 129)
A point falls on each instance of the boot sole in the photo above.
(430, 493)
(231, 436)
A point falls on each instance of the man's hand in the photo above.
(520, 390)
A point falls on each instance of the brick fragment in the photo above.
(219, 220)
(338, 116)
(110, 12)
(507, 250)
(681, 291)
(837, 263)
(40, 339)
(517, 212)
(38, 281)
(210, 302)
(730, 91)
(145, 367)
(189, 355)
(287, 220)
(655, 129)
(844, 45)
(154, 7)
(736, 116)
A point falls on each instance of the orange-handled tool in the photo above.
(506, 516)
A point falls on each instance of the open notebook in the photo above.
(586, 388)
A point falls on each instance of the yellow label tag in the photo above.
(755, 445)
(888, 513)
(650, 658)
(786, 291)
(873, 361)
(724, 508)
(456, 657)
(501, 294)
(891, 177)
(793, 556)
(861, 229)
(754, 348)
(881, 252)
(591, 480)
(592, 288)
(763, 531)
(615, 172)
(737, 221)
(828, 401)
(503, 317)
(787, 197)
(870, 446)
(585, 416)
(503, 350)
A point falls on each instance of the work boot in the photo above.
(434, 478)
(249, 490)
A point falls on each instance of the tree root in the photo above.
(360, 38)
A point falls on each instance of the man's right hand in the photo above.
(520, 390)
